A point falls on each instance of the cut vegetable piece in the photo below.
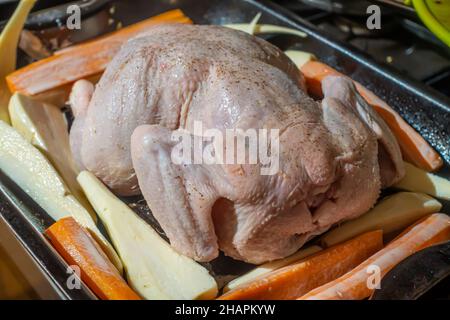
(45, 127)
(251, 27)
(271, 266)
(300, 57)
(393, 213)
(297, 279)
(9, 40)
(418, 180)
(77, 247)
(31, 170)
(356, 285)
(264, 28)
(414, 147)
(154, 269)
(82, 61)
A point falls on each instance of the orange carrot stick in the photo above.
(354, 284)
(414, 147)
(77, 247)
(83, 60)
(297, 279)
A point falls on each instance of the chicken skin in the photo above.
(334, 156)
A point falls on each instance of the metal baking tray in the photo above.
(425, 109)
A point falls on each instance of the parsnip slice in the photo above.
(154, 269)
(9, 39)
(390, 214)
(31, 170)
(44, 126)
(418, 180)
(264, 28)
(271, 266)
(300, 57)
(251, 27)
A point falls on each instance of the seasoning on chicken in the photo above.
(334, 157)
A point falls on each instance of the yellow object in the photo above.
(44, 126)
(34, 174)
(153, 268)
(391, 214)
(436, 16)
(418, 180)
(9, 40)
(271, 266)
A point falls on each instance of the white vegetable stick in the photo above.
(44, 126)
(154, 269)
(9, 40)
(418, 180)
(300, 57)
(34, 174)
(265, 28)
(390, 214)
(252, 25)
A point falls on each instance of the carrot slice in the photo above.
(297, 279)
(83, 60)
(77, 247)
(354, 284)
(414, 147)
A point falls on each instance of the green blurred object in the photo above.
(435, 14)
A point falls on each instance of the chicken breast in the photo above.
(165, 82)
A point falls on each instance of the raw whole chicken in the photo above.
(334, 155)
